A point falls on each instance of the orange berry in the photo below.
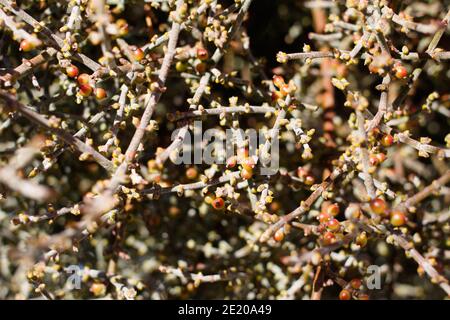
(363, 296)
(378, 206)
(398, 218)
(202, 53)
(278, 81)
(328, 126)
(218, 204)
(231, 162)
(138, 54)
(373, 68)
(85, 90)
(98, 289)
(333, 225)
(345, 295)
(381, 157)
(285, 90)
(329, 238)
(276, 95)
(332, 209)
(26, 45)
(275, 206)
(373, 159)
(123, 27)
(248, 163)
(191, 173)
(324, 217)
(279, 235)
(83, 78)
(400, 72)
(100, 93)
(374, 132)
(301, 172)
(121, 23)
(387, 140)
(242, 153)
(361, 239)
(200, 67)
(246, 174)
(173, 212)
(309, 180)
(356, 283)
(72, 71)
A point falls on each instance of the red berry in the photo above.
(381, 157)
(200, 67)
(231, 162)
(123, 26)
(361, 239)
(363, 296)
(333, 225)
(345, 295)
(248, 163)
(279, 235)
(85, 90)
(398, 218)
(202, 53)
(387, 140)
(246, 174)
(276, 95)
(72, 71)
(400, 72)
(301, 172)
(191, 173)
(356, 283)
(378, 206)
(275, 206)
(26, 45)
(242, 153)
(373, 68)
(285, 90)
(138, 54)
(218, 204)
(83, 78)
(309, 180)
(100, 93)
(278, 81)
(375, 131)
(332, 209)
(324, 217)
(373, 159)
(329, 238)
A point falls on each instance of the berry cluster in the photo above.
(99, 100)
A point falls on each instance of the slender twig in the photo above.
(368, 180)
(63, 135)
(145, 119)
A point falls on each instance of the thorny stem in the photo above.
(145, 119)
(199, 278)
(97, 209)
(63, 135)
(368, 180)
(203, 83)
(304, 206)
(28, 66)
(54, 39)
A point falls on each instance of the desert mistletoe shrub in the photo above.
(106, 192)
